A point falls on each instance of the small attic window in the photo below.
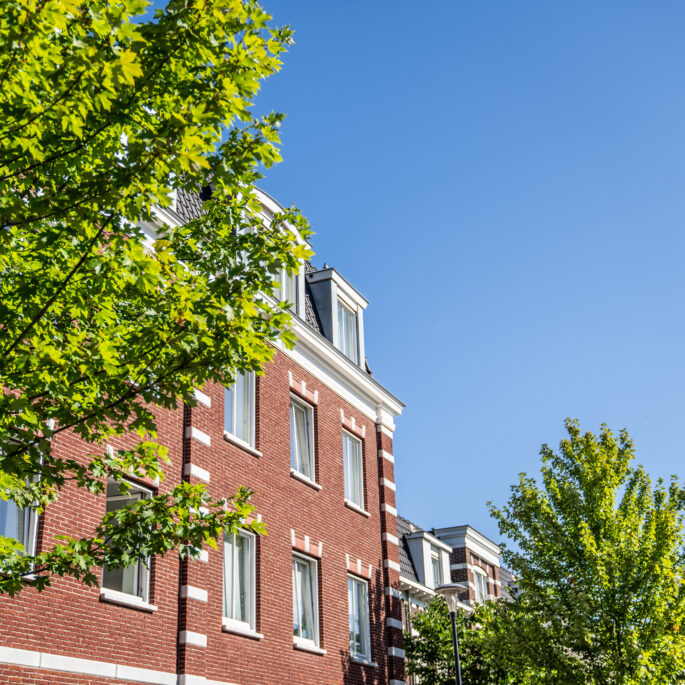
(347, 332)
(288, 290)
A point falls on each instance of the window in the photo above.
(239, 578)
(358, 602)
(354, 471)
(19, 524)
(239, 408)
(347, 333)
(288, 289)
(301, 439)
(481, 583)
(305, 604)
(135, 578)
(436, 566)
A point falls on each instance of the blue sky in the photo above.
(504, 182)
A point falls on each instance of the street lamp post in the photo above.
(451, 592)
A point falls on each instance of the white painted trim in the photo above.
(188, 637)
(389, 509)
(239, 628)
(196, 434)
(386, 455)
(389, 563)
(355, 507)
(202, 556)
(394, 623)
(392, 539)
(301, 477)
(196, 593)
(472, 540)
(307, 646)
(385, 430)
(384, 482)
(396, 651)
(201, 398)
(229, 437)
(393, 592)
(196, 472)
(68, 664)
(186, 679)
(396, 682)
(125, 600)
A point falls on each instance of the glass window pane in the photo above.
(238, 408)
(304, 584)
(358, 599)
(131, 579)
(228, 576)
(300, 449)
(11, 521)
(352, 460)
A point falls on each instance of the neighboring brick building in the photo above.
(444, 555)
(317, 600)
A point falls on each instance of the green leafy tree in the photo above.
(598, 551)
(105, 112)
(430, 654)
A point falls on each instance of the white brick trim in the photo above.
(385, 483)
(389, 509)
(393, 592)
(386, 455)
(396, 682)
(196, 472)
(385, 430)
(199, 680)
(196, 434)
(392, 539)
(188, 637)
(394, 623)
(201, 398)
(389, 563)
(196, 593)
(396, 651)
(68, 664)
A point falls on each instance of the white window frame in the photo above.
(481, 593)
(363, 619)
(251, 385)
(435, 555)
(29, 533)
(143, 568)
(346, 470)
(230, 621)
(343, 307)
(311, 456)
(313, 564)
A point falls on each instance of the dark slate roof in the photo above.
(405, 527)
(188, 205)
(310, 315)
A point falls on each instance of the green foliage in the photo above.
(103, 114)
(598, 552)
(430, 654)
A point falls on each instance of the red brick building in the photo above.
(316, 600)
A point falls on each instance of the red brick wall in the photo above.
(69, 619)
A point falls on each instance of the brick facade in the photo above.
(68, 634)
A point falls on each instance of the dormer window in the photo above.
(290, 289)
(436, 566)
(347, 332)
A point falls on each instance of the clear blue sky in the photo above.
(505, 183)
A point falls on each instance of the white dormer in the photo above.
(431, 558)
(341, 311)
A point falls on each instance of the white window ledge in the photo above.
(355, 507)
(239, 628)
(125, 600)
(307, 481)
(363, 660)
(307, 646)
(229, 437)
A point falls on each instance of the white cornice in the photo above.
(318, 356)
(465, 536)
(343, 285)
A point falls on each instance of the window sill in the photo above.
(308, 646)
(302, 478)
(238, 628)
(357, 508)
(242, 444)
(125, 600)
(364, 661)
